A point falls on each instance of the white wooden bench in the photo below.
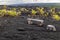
(51, 27)
(36, 21)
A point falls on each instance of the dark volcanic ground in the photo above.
(17, 29)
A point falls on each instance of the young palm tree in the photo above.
(56, 17)
(41, 12)
(33, 13)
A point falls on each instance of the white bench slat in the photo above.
(35, 19)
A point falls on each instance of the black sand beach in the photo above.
(16, 28)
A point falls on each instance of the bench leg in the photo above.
(29, 22)
(54, 29)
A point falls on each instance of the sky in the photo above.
(8, 2)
